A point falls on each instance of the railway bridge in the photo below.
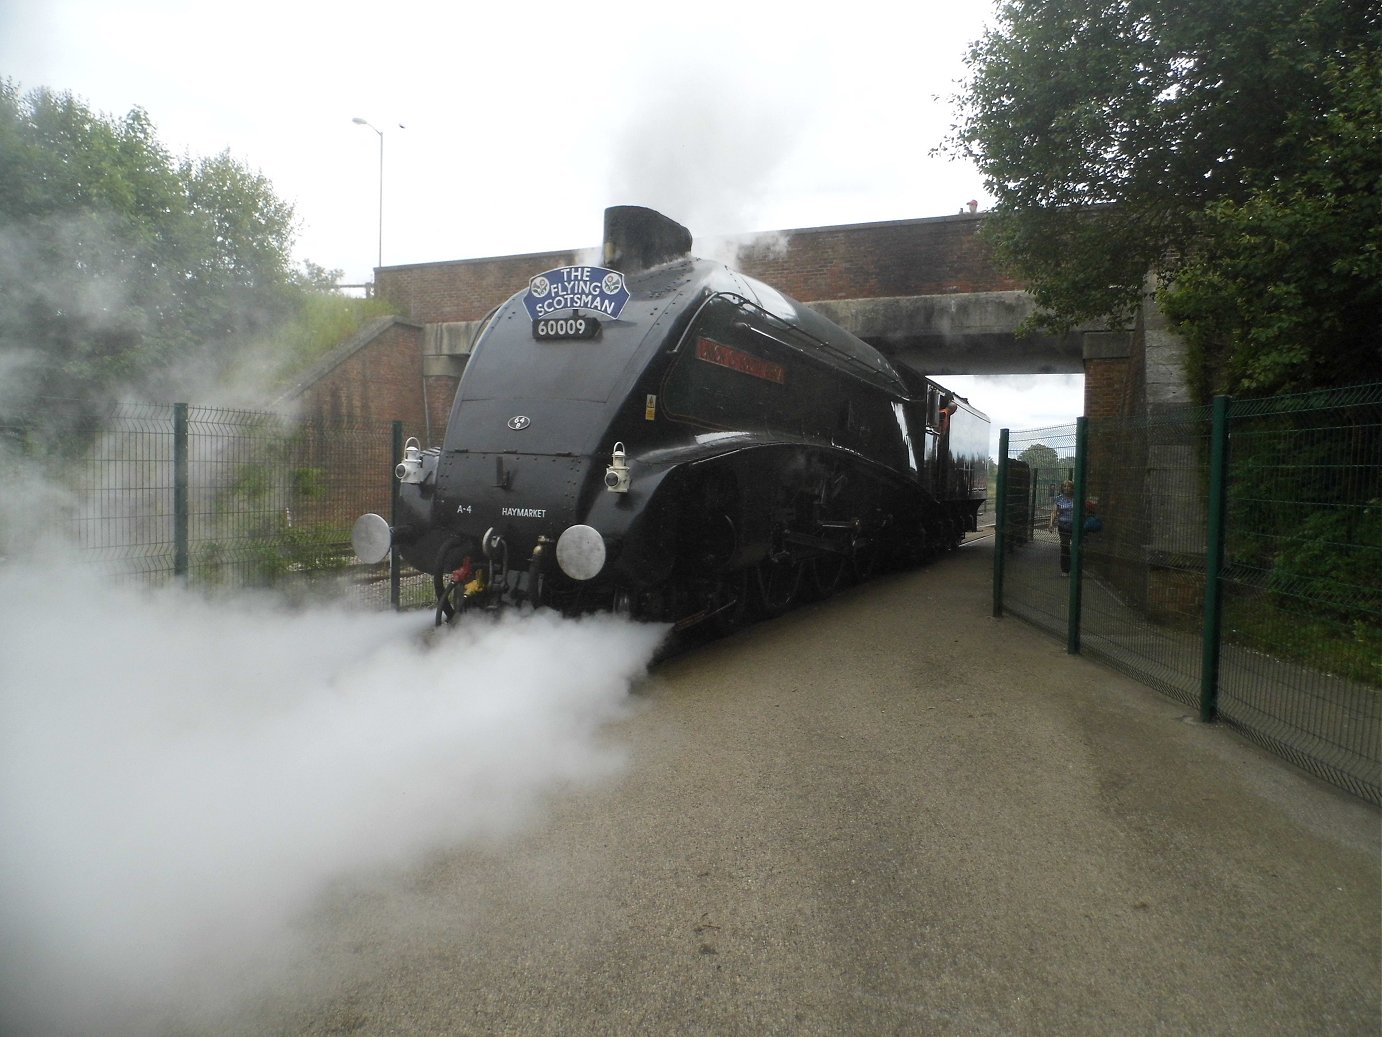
(923, 291)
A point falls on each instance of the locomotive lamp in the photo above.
(617, 474)
(418, 467)
(410, 468)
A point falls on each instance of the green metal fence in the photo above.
(1035, 587)
(1238, 568)
(209, 497)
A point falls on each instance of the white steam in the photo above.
(740, 251)
(182, 778)
(708, 144)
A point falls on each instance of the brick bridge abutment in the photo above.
(925, 292)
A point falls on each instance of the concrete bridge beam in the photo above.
(971, 333)
(967, 333)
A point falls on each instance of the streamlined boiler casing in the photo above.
(667, 437)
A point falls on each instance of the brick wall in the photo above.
(935, 256)
(1106, 387)
(374, 378)
(441, 393)
(437, 293)
(868, 260)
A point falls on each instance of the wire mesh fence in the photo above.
(218, 499)
(1236, 565)
(1036, 581)
(1302, 581)
(1143, 573)
(1277, 631)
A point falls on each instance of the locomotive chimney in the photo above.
(638, 239)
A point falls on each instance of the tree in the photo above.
(1284, 289)
(123, 272)
(1040, 457)
(1128, 137)
(83, 200)
(241, 249)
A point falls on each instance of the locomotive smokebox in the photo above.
(638, 239)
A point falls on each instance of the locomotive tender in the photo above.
(667, 438)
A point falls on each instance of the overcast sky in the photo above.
(524, 122)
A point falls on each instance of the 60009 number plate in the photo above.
(565, 327)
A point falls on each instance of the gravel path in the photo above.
(886, 814)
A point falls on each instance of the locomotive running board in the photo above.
(819, 543)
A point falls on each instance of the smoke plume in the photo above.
(706, 143)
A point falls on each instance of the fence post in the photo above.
(1214, 560)
(1033, 481)
(1000, 523)
(1072, 636)
(394, 562)
(180, 508)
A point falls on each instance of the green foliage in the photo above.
(273, 557)
(1305, 534)
(1284, 289)
(319, 322)
(1333, 562)
(260, 536)
(236, 270)
(309, 484)
(1040, 457)
(1349, 649)
(124, 272)
(1230, 148)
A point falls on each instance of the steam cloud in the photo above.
(707, 146)
(180, 779)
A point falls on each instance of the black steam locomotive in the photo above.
(666, 438)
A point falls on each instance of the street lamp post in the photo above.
(365, 122)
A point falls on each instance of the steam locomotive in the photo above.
(669, 439)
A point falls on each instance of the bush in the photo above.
(1334, 563)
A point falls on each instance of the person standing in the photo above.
(1062, 521)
